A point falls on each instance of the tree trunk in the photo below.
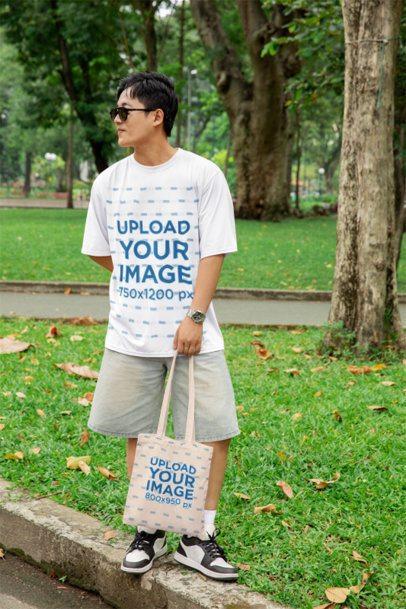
(27, 173)
(81, 99)
(364, 298)
(181, 43)
(147, 9)
(298, 159)
(256, 110)
(69, 161)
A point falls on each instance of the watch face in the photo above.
(197, 316)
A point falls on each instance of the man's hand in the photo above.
(188, 337)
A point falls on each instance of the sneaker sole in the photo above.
(188, 562)
(147, 567)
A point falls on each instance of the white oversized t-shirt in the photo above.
(157, 222)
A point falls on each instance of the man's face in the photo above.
(139, 126)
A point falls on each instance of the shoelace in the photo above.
(213, 547)
(140, 540)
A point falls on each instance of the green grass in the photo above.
(44, 244)
(307, 546)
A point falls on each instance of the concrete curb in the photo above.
(53, 536)
(90, 288)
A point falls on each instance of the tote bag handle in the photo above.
(190, 422)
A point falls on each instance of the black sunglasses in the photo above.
(123, 112)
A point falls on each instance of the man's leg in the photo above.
(130, 454)
(217, 471)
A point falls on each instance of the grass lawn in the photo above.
(44, 244)
(294, 426)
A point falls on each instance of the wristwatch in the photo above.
(197, 316)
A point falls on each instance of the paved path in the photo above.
(228, 310)
(23, 586)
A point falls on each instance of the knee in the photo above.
(220, 445)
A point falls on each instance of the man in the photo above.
(162, 220)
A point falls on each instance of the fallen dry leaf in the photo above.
(83, 371)
(74, 462)
(285, 488)
(20, 394)
(388, 383)
(82, 321)
(326, 606)
(9, 345)
(297, 349)
(109, 534)
(337, 595)
(40, 412)
(321, 484)
(297, 416)
(84, 467)
(317, 369)
(243, 566)
(52, 332)
(358, 557)
(83, 401)
(257, 333)
(76, 337)
(2, 553)
(282, 455)
(377, 408)
(265, 508)
(292, 371)
(84, 437)
(359, 369)
(70, 385)
(379, 367)
(260, 350)
(2, 426)
(337, 415)
(35, 450)
(106, 472)
(242, 496)
(14, 456)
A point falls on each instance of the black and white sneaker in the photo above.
(206, 556)
(143, 550)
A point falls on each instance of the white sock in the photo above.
(209, 516)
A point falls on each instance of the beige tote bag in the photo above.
(170, 478)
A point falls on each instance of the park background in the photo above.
(254, 75)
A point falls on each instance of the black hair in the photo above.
(155, 90)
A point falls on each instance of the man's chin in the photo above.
(124, 143)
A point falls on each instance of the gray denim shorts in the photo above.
(129, 392)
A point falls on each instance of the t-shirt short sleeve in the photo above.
(217, 233)
(95, 238)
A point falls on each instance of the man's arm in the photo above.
(188, 337)
(104, 261)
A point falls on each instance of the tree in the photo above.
(58, 56)
(255, 105)
(364, 298)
